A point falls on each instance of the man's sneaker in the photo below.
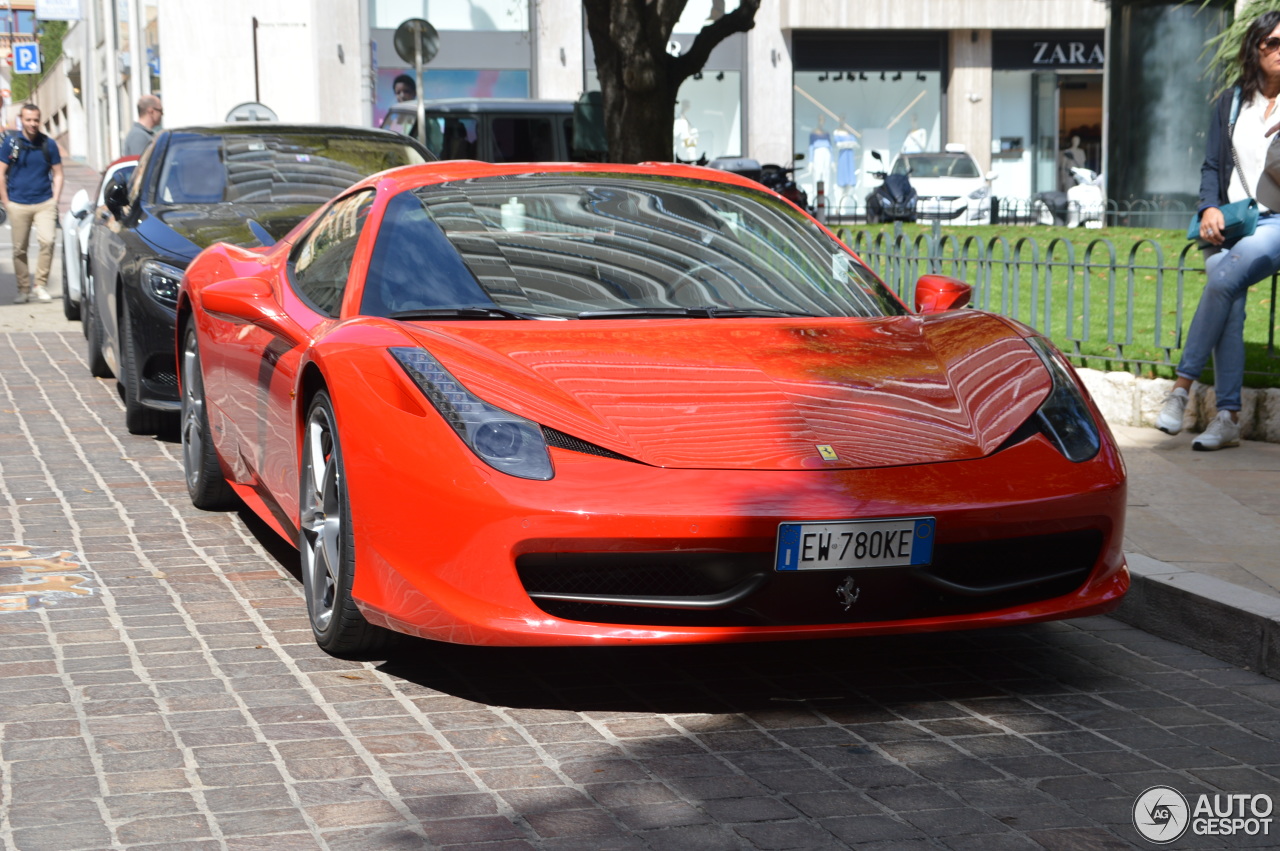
(1175, 406)
(41, 294)
(21, 298)
(1222, 432)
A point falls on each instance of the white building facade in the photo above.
(1014, 81)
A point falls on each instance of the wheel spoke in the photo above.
(321, 520)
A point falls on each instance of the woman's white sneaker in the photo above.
(1175, 407)
(1221, 433)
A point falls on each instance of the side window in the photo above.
(193, 172)
(322, 259)
(518, 140)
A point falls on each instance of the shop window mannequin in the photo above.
(845, 139)
(1069, 158)
(684, 136)
(917, 138)
(819, 157)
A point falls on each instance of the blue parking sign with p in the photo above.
(26, 59)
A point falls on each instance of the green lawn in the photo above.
(1078, 284)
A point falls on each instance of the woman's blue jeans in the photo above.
(1218, 325)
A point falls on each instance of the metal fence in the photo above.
(1044, 209)
(1125, 309)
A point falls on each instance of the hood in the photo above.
(748, 394)
(205, 224)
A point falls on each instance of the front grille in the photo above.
(965, 578)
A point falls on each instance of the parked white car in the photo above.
(949, 186)
(75, 237)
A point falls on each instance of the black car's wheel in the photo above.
(138, 418)
(205, 483)
(71, 310)
(98, 367)
(327, 544)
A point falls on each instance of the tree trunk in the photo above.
(639, 80)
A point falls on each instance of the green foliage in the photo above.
(1223, 49)
(50, 35)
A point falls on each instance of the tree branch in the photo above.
(740, 20)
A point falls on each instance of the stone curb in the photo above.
(1231, 623)
(1125, 399)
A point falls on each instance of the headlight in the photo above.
(1065, 417)
(161, 281)
(979, 194)
(503, 440)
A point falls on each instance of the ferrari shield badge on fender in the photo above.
(827, 453)
(848, 592)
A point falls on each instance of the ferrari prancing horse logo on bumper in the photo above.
(827, 453)
(848, 592)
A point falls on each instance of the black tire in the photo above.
(206, 485)
(69, 310)
(98, 367)
(327, 544)
(138, 418)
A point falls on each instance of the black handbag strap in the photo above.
(1231, 139)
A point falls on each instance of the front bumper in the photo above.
(464, 554)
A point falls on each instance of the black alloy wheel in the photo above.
(98, 367)
(138, 418)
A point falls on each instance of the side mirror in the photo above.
(117, 198)
(798, 157)
(875, 155)
(249, 301)
(992, 175)
(80, 206)
(938, 293)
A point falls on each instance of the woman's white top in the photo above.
(1251, 143)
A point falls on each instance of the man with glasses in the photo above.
(150, 113)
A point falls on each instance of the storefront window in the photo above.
(458, 15)
(841, 117)
(708, 117)
(698, 13)
(151, 40)
(447, 83)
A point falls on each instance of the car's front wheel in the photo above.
(327, 543)
(98, 367)
(71, 260)
(138, 418)
(206, 485)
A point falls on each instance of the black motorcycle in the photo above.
(894, 200)
(778, 178)
(783, 181)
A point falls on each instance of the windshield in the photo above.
(585, 245)
(937, 165)
(282, 168)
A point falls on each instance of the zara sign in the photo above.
(1077, 50)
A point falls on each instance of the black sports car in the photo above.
(247, 184)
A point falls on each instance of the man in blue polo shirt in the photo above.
(30, 183)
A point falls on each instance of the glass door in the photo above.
(1044, 131)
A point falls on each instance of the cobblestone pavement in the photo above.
(159, 688)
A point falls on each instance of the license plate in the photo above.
(845, 544)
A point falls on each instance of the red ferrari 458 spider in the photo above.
(600, 404)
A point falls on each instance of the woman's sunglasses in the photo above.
(1269, 45)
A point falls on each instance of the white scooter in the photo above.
(1081, 205)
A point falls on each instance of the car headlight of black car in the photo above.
(504, 441)
(1064, 417)
(162, 282)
